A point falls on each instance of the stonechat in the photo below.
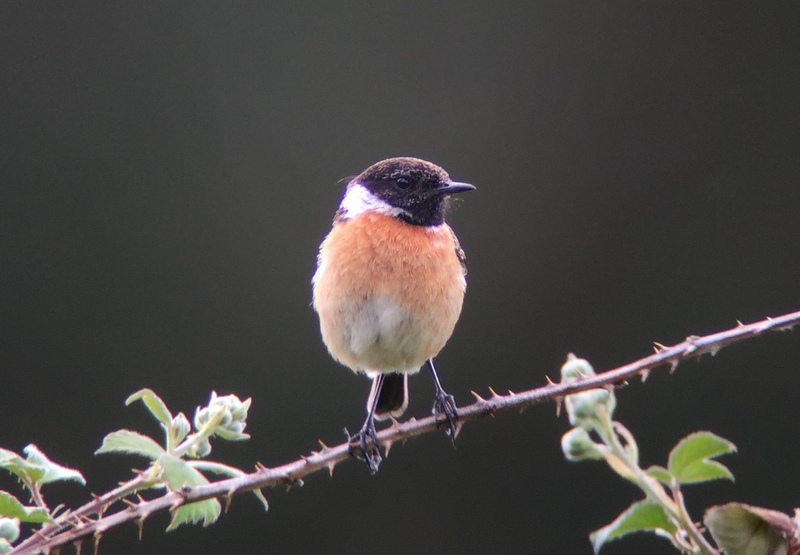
(389, 286)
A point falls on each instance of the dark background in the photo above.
(168, 171)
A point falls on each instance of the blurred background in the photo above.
(168, 170)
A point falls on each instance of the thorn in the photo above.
(658, 347)
(140, 524)
(559, 401)
(549, 381)
(97, 537)
(511, 393)
(260, 467)
(387, 445)
(739, 323)
(673, 365)
(331, 465)
(229, 499)
(713, 350)
(644, 374)
(480, 400)
(456, 431)
(494, 393)
(130, 504)
(324, 447)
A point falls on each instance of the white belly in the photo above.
(377, 334)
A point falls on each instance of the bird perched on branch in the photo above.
(389, 286)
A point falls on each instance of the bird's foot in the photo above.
(366, 447)
(445, 406)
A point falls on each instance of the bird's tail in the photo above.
(392, 395)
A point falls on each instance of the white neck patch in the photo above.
(359, 200)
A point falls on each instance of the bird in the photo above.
(389, 287)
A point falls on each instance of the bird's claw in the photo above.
(366, 447)
(445, 405)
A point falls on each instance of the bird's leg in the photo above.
(360, 447)
(445, 404)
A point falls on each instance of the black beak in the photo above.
(454, 187)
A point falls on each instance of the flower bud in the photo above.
(582, 407)
(200, 418)
(577, 445)
(179, 428)
(234, 420)
(575, 368)
(200, 450)
(9, 529)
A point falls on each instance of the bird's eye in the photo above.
(403, 183)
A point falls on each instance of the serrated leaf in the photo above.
(26, 471)
(134, 443)
(179, 473)
(11, 507)
(225, 470)
(689, 460)
(660, 473)
(6, 455)
(642, 516)
(52, 472)
(154, 403)
(206, 511)
(740, 529)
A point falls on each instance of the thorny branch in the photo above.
(90, 520)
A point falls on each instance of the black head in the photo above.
(419, 189)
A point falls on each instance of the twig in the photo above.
(74, 526)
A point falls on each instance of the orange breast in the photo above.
(388, 293)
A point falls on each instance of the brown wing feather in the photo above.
(459, 251)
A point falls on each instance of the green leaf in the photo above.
(639, 517)
(206, 511)
(128, 441)
(25, 470)
(154, 403)
(11, 507)
(230, 435)
(740, 529)
(225, 470)
(179, 473)
(52, 472)
(660, 473)
(689, 460)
